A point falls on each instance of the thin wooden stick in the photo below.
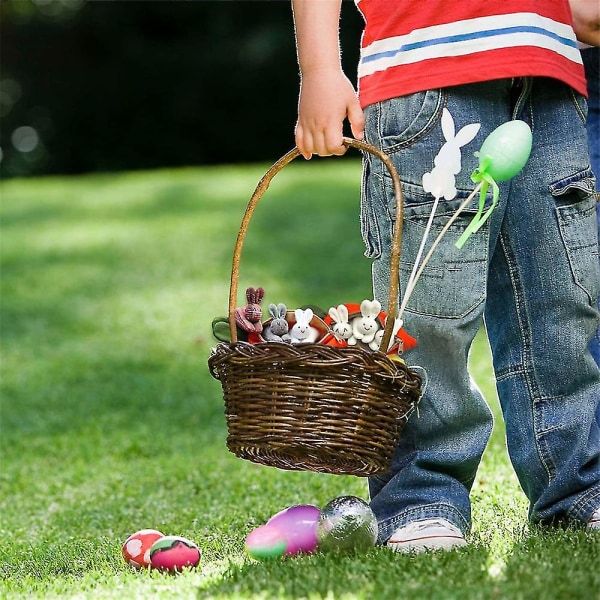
(437, 240)
(411, 280)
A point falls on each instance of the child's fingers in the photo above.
(302, 142)
(357, 121)
(323, 143)
(334, 143)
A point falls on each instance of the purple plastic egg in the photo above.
(299, 525)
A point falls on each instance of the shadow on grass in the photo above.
(110, 419)
(83, 292)
(535, 567)
(303, 244)
(377, 574)
(554, 563)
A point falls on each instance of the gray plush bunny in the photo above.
(278, 328)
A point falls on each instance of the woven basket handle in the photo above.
(262, 187)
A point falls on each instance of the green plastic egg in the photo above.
(506, 150)
(265, 542)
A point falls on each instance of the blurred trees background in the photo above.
(101, 86)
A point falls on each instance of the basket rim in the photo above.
(275, 355)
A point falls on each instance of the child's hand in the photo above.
(327, 98)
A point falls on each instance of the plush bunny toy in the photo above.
(249, 317)
(341, 326)
(277, 330)
(302, 332)
(365, 327)
(401, 341)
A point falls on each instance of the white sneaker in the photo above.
(594, 522)
(430, 534)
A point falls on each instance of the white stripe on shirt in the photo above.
(470, 36)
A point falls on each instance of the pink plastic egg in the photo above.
(173, 553)
(136, 549)
(266, 542)
(299, 525)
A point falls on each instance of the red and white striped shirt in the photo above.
(412, 46)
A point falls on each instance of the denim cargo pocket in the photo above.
(392, 126)
(453, 282)
(403, 122)
(576, 211)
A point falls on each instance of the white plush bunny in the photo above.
(365, 327)
(440, 182)
(302, 332)
(376, 343)
(341, 325)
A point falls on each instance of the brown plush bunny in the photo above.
(249, 317)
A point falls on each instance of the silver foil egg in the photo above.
(346, 524)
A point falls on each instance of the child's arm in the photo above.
(586, 21)
(326, 95)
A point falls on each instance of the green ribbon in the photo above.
(480, 175)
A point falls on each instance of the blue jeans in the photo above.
(591, 61)
(532, 272)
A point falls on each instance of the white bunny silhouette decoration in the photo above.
(440, 182)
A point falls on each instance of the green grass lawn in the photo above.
(111, 422)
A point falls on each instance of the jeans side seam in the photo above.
(524, 333)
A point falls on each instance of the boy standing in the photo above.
(532, 272)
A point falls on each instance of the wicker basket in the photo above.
(314, 407)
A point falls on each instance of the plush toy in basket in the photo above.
(313, 390)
